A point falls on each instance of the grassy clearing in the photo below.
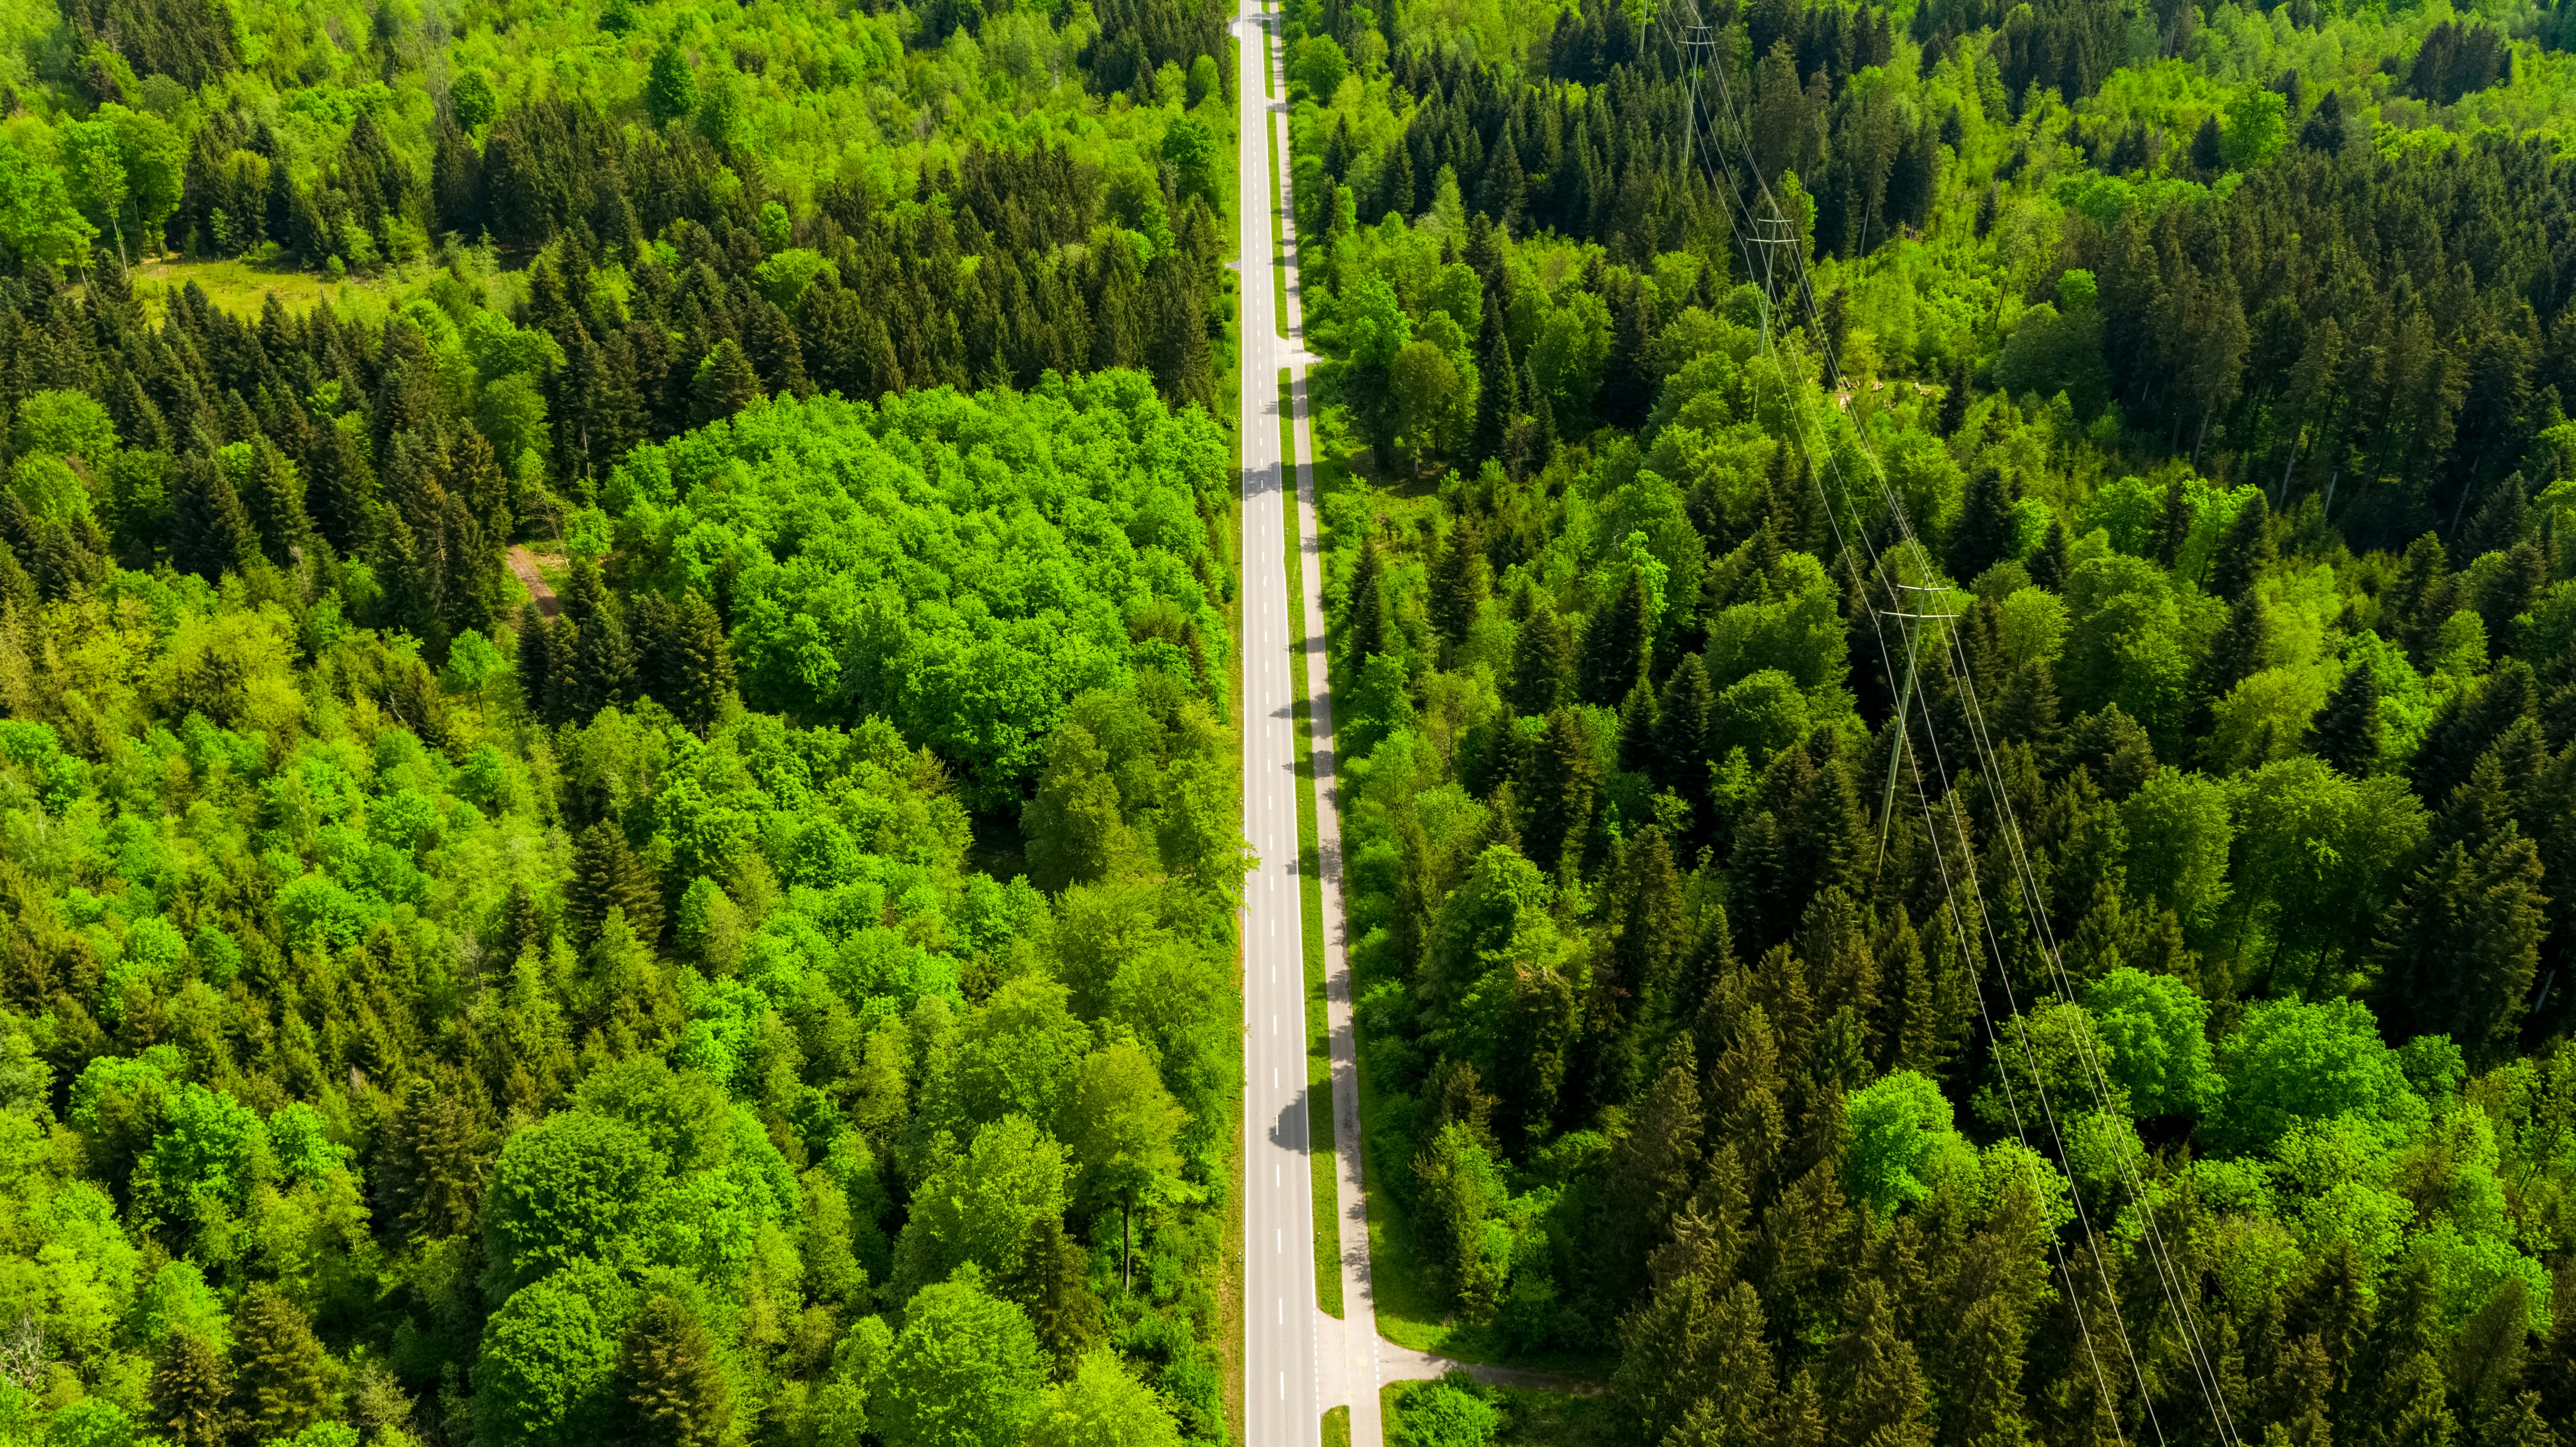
(1310, 892)
(1530, 1418)
(243, 289)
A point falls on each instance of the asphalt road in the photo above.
(1280, 1320)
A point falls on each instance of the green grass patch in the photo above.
(1337, 1427)
(1278, 245)
(1530, 1418)
(1310, 892)
(243, 288)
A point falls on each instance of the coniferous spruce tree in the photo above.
(433, 1176)
(1637, 729)
(273, 497)
(565, 690)
(2346, 732)
(652, 628)
(606, 875)
(1498, 400)
(188, 1392)
(535, 662)
(1682, 717)
(1954, 399)
(1617, 643)
(1364, 616)
(2235, 654)
(673, 1392)
(2244, 551)
(1565, 775)
(1655, 930)
(2463, 730)
(725, 384)
(2050, 565)
(1652, 1168)
(1461, 577)
(339, 487)
(609, 676)
(1878, 1394)
(1540, 662)
(279, 1383)
(1983, 535)
(210, 530)
(2173, 524)
(1053, 1285)
(704, 672)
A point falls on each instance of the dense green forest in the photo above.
(1959, 805)
(753, 964)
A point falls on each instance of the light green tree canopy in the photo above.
(965, 1371)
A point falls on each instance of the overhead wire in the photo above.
(2157, 1250)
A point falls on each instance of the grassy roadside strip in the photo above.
(1337, 1427)
(1278, 253)
(1310, 898)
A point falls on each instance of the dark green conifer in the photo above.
(2346, 732)
(339, 487)
(1637, 729)
(2422, 597)
(2237, 653)
(673, 1392)
(1655, 928)
(2243, 552)
(523, 925)
(273, 496)
(704, 671)
(2467, 726)
(1799, 1419)
(2027, 712)
(2051, 565)
(2462, 947)
(210, 531)
(280, 1383)
(1954, 399)
(1564, 775)
(1540, 662)
(188, 1392)
(2511, 591)
(564, 689)
(1498, 402)
(1461, 578)
(607, 662)
(1682, 718)
(1364, 615)
(725, 384)
(2173, 525)
(1617, 642)
(1877, 1391)
(1053, 1285)
(1983, 535)
(1982, 1397)
(606, 875)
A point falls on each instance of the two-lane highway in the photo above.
(1280, 1319)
